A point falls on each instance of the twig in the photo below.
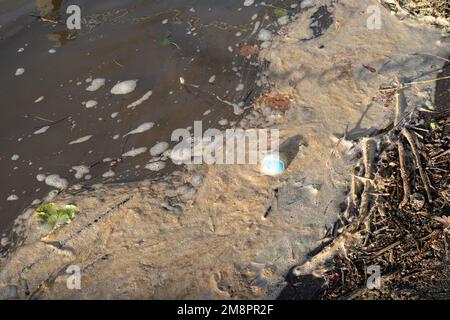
(423, 174)
(403, 174)
(425, 81)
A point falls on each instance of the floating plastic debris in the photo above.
(124, 87)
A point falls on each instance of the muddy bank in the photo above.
(204, 231)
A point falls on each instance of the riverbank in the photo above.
(207, 231)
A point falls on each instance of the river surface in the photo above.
(54, 132)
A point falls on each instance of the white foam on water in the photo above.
(159, 148)
(156, 166)
(124, 87)
(40, 177)
(165, 21)
(212, 79)
(81, 140)
(96, 84)
(115, 114)
(12, 197)
(109, 174)
(20, 71)
(135, 152)
(15, 157)
(145, 97)
(39, 99)
(52, 51)
(80, 171)
(21, 50)
(42, 130)
(223, 122)
(240, 87)
(115, 137)
(54, 180)
(91, 104)
(142, 128)
(248, 3)
(265, 35)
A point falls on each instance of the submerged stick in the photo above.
(423, 174)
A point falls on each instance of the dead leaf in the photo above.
(248, 50)
(276, 101)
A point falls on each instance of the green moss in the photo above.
(280, 12)
(50, 217)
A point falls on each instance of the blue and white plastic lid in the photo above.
(272, 165)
